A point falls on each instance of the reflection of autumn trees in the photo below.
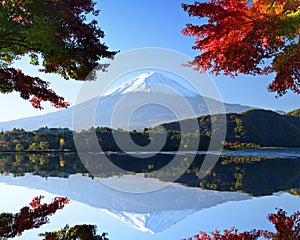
(37, 214)
(253, 175)
(81, 232)
(41, 164)
(240, 159)
(34, 216)
(287, 228)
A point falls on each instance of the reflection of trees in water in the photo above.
(240, 159)
(41, 164)
(252, 175)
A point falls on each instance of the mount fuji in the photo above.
(154, 97)
(152, 82)
(152, 212)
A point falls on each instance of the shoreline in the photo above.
(115, 152)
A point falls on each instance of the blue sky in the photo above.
(156, 23)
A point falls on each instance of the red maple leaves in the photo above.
(287, 227)
(249, 37)
(30, 88)
(12, 225)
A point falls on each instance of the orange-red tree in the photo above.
(287, 228)
(57, 32)
(37, 214)
(12, 225)
(251, 37)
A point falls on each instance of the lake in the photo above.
(134, 200)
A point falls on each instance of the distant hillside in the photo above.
(268, 128)
(249, 129)
(263, 127)
(294, 113)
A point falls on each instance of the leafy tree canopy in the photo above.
(287, 228)
(59, 33)
(250, 37)
(36, 215)
(82, 232)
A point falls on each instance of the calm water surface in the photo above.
(242, 188)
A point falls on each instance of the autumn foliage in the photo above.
(287, 228)
(34, 216)
(82, 232)
(32, 88)
(250, 37)
(56, 35)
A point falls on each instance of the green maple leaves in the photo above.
(56, 31)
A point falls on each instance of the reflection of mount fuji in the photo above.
(160, 98)
(152, 212)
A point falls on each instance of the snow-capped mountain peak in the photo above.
(154, 222)
(152, 82)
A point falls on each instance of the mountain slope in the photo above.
(295, 112)
(152, 212)
(270, 128)
(152, 82)
(263, 127)
(159, 97)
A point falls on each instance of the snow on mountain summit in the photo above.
(152, 82)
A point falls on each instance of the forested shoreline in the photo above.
(251, 129)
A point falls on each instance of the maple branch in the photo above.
(57, 30)
(239, 38)
(36, 215)
(32, 88)
(6, 33)
(12, 43)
